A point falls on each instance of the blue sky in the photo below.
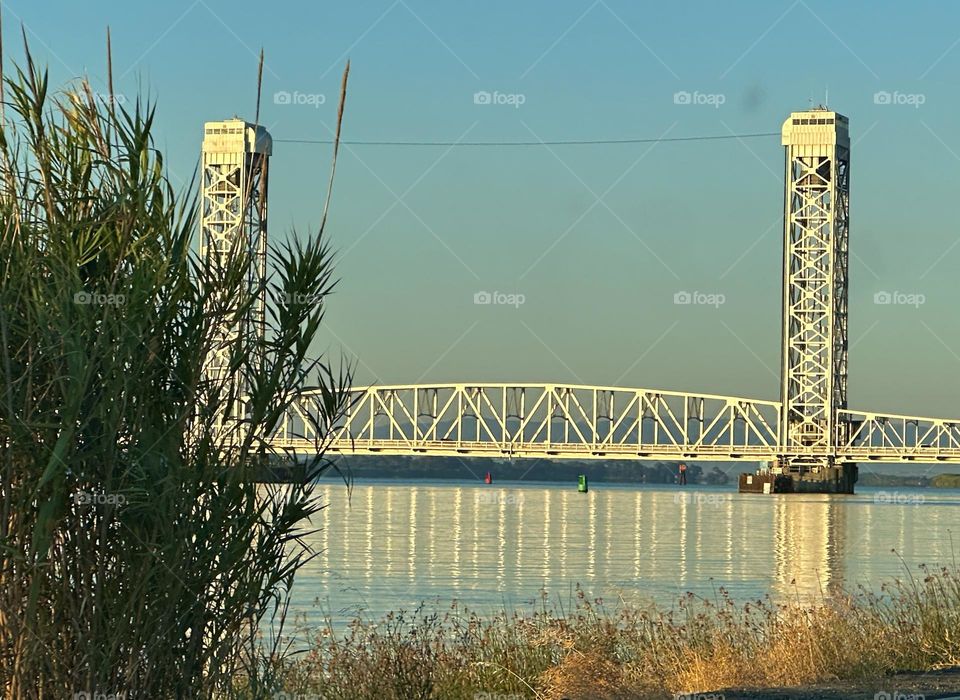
(597, 239)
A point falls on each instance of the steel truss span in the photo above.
(542, 420)
(565, 421)
(892, 438)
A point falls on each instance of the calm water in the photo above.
(395, 544)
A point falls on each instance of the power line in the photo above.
(591, 142)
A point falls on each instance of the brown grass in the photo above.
(593, 651)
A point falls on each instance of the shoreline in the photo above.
(851, 646)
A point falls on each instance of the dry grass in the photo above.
(627, 652)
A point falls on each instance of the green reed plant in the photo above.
(137, 553)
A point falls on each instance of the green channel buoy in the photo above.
(582, 483)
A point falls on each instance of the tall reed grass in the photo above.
(137, 555)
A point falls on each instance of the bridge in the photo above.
(566, 421)
(809, 437)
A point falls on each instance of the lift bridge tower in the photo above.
(233, 216)
(814, 322)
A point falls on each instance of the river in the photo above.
(395, 544)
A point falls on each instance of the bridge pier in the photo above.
(794, 477)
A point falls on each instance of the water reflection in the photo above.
(808, 546)
(397, 544)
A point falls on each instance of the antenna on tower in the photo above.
(826, 96)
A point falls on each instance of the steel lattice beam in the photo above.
(546, 420)
(562, 421)
(233, 216)
(816, 241)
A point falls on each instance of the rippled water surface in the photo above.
(395, 544)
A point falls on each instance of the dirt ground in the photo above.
(932, 685)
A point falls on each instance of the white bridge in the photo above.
(808, 433)
(565, 421)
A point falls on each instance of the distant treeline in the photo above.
(943, 481)
(597, 471)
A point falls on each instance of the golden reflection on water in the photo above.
(394, 544)
(809, 536)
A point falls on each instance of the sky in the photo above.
(584, 247)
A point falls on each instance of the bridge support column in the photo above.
(834, 478)
(816, 227)
(233, 217)
(797, 476)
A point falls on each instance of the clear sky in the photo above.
(597, 239)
